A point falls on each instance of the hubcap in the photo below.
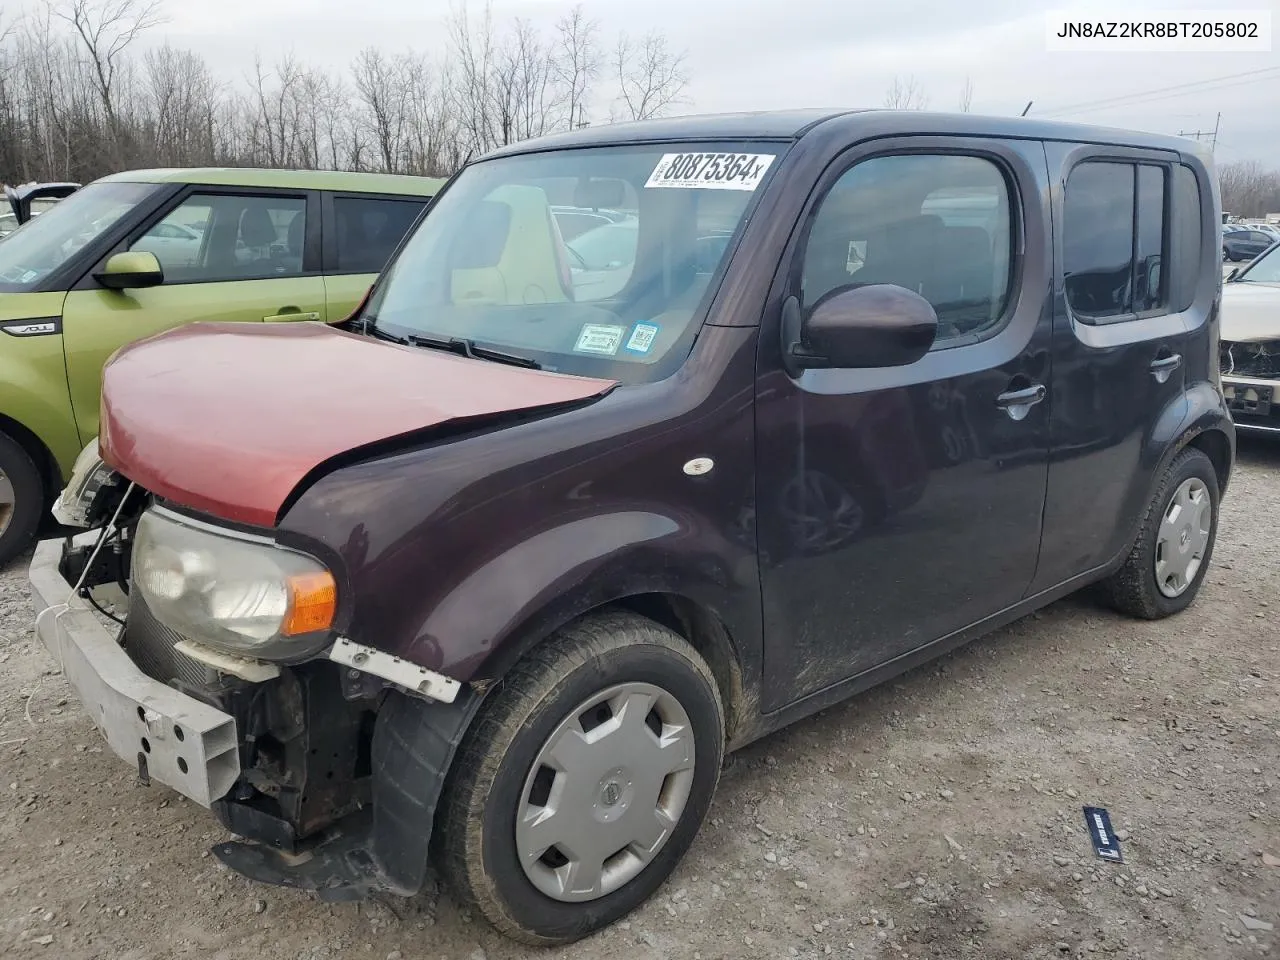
(1183, 537)
(6, 501)
(605, 792)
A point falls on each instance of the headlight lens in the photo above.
(88, 476)
(244, 596)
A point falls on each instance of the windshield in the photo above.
(490, 262)
(44, 243)
(1264, 269)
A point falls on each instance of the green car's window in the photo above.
(211, 237)
(598, 261)
(370, 229)
(47, 242)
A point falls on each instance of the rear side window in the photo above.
(1185, 238)
(369, 230)
(1116, 232)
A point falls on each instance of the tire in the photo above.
(1135, 589)
(22, 498)
(478, 840)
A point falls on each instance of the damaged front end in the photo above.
(228, 679)
(1251, 382)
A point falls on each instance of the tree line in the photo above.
(1249, 189)
(78, 99)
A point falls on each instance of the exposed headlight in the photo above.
(88, 476)
(239, 594)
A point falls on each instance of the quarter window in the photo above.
(228, 237)
(939, 225)
(1115, 234)
(369, 230)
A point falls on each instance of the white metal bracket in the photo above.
(395, 669)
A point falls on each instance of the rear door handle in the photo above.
(290, 317)
(1017, 403)
(1161, 368)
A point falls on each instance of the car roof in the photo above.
(287, 179)
(855, 123)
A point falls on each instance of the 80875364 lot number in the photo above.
(715, 171)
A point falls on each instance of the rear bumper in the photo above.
(169, 736)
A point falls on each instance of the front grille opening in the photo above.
(1260, 359)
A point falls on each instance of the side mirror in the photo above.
(131, 271)
(879, 325)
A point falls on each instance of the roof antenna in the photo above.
(1026, 108)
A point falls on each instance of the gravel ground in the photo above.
(939, 816)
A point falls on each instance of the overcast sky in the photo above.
(754, 54)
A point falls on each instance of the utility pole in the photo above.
(1210, 135)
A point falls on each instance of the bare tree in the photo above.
(905, 95)
(576, 62)
(651, 77)
(106, 28)
(966, 95)
(381, 90)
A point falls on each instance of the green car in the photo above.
(136, 253)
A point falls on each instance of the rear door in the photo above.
(361, 232)
(1122, 219)
(227, 255)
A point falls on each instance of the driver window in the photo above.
(938, 225)
(212, 237)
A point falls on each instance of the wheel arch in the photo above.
(695, 621)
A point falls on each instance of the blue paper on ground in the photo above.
(1105, 843)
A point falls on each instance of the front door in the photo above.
(227, 256)
(897, 506)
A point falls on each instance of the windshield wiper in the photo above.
(370, 326)
(468, 348)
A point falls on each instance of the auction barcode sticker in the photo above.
(1159, 31)
(710, 171)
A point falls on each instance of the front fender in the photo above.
(502, 608)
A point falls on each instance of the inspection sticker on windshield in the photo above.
(642, 337)
(599, 338)
(710, 171)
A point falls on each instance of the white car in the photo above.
(1249, 351)
(173, 244)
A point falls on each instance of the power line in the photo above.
(1175, 90)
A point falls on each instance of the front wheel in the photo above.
(1168, 562)
(583, 779)
(21, 499)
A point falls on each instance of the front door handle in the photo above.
(1162, 367)
(1017, 403)
(290, 317)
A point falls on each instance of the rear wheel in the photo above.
(1168, 562)
(583, 780)
(21, 499)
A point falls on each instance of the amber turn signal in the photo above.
(313, 601)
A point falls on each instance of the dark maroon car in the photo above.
(492, 575)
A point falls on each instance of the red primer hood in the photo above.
(228, 418)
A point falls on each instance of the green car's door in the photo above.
(361, 232)
(227, 255)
